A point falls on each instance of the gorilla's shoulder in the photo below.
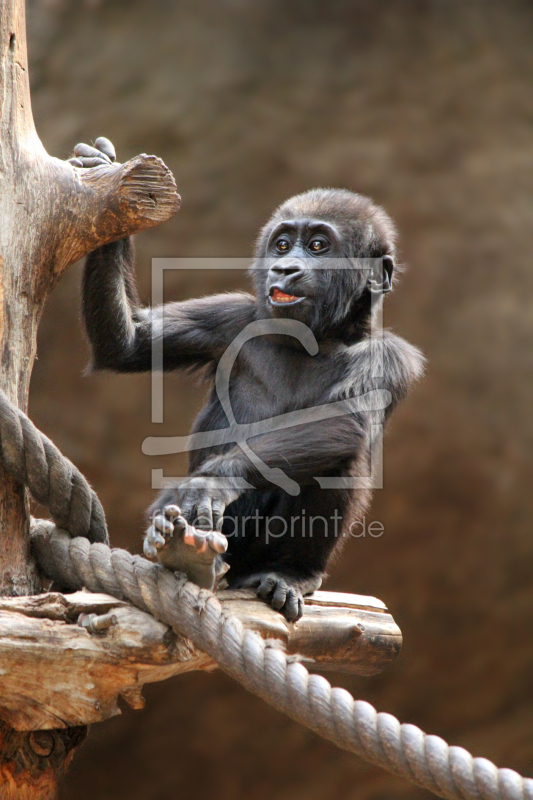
(384, 360)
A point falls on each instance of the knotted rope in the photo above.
(261, 666)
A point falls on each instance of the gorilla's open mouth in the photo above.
(279, 298)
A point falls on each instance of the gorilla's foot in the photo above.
(283, 593)
(180, 547)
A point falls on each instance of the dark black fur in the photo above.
(273, 375)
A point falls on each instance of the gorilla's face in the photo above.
(305, 273)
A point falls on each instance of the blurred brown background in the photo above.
(428, 108)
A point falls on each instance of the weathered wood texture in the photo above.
(31, 763)
(51, 214)
(61, 667)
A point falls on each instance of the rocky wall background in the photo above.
(428, 107)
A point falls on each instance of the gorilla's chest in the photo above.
(269, 380)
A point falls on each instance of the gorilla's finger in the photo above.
(163, 525)
(204, 520)
(218, 514)
(106, 147)
(291, 606)
(154, 538)
(187, 508)
(188, 536)
(75, 162)
(171, 511)
(149, 550)
(200, 542)
(93, 162)
(217, 542)
(87, 151)
(280, 595)
(266, 587)
(180, 524)
(195, 539)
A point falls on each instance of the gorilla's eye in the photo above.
(282, 245)
(316, 245)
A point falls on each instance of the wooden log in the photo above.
(338, 632)
(65, 659)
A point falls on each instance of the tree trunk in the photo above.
(19, 310)
(51, 214)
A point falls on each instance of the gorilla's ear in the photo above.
(380, 280)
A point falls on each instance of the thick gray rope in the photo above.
(264, 669)
(31, 459)
(261, 666)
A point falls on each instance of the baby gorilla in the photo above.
(296, 362)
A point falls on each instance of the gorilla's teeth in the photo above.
(280, 297)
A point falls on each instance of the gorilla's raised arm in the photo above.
(121, 332)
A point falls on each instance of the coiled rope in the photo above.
(261, 666)
(33, 460)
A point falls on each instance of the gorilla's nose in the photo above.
(288, 267)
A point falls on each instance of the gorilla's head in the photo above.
(322, 258)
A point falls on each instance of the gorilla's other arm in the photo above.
(301, 451)
(194, 332)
